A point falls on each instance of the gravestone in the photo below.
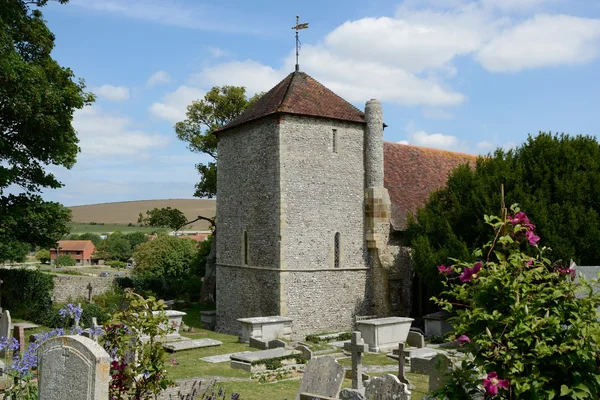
(386, 387)
(276, 343)
(323, 376)
(258, 343)
(415, 339)
(191, 344)
(5, 322)
(307, 353)
(90, 288)
(438, 369)
(357, 347)
(19, 334)
(74, 368)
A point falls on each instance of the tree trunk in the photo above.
(208, 293)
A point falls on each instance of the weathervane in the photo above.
(297, 28)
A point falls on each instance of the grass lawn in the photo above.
(79, 228)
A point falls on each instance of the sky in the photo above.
(467, 76)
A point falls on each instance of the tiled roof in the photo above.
(74, 245)
(299, 94)
(412, 173)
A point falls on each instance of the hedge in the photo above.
(26, 293)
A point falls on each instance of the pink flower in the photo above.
(529, 262)
(469, 273)
(492, 383)
(444, 270)
(567, 271)
(463, 339)
(532, 237)
(521, 218)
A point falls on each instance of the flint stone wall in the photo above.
(74, 286)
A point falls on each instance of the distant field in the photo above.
(116, 216)
(99, 229)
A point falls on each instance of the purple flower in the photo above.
(444, 270)
(492, 383)
(521, 218)
(567, 271)
(463, 339)
(532, 238)
(71, 311)
(469, 273)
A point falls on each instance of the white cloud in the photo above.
(112, 93)
(102, 134)
(544, 40)
(402, 142)
(436, 140)
(158, 78)
(216, 52)
(174, 104)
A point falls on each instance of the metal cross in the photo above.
(298, 27)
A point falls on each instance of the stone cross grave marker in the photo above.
(401, 364)
(386, 387)
(357, 347)
(90, 288)
(5, 323)
(19, 334)
(74, 368)
(323, 377)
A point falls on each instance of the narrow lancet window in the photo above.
(334, 138)
(336, 250)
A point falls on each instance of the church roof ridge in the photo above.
(300, 94)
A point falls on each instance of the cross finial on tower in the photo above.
(297, 28)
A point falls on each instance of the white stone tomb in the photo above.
(266, 328)
(384, 334)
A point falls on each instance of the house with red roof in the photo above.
(310, 201)
(80, 250)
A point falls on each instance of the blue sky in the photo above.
(466, 76)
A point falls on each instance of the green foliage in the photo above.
(164, 217)
(556, 177)
(116, 264)
(65, 260)
(523, 317)
(115, 247)
(27, 294)
(219, 106)
(167, 257)
(111, 300)
(198, 265)
(13, 251)
(147, 377)
(95, 238)
(135, 239)
(38, 98)
(43, 256)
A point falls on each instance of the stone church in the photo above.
(311, 206)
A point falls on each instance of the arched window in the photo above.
(334, 144)
(245, 248)
(336, 250)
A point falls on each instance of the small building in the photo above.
(80, 250)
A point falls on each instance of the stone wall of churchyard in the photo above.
(322, 192)
(248, 206)
(245, 292)
(74, 286)
(325, 300)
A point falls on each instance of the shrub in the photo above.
(531, 328)
(43, 256)
(28, 294)
(65, 260)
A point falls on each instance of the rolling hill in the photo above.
(125, 212)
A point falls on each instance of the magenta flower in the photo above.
(567, 271)
(532, 237)
(529, 262)
(492, 383)
(463, 339)
(521, 218)
(469, 273)
(444, 270)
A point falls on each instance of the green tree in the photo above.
(116, 264)
(65, 260)
(166, 217)
(219, 106)
(114, 247)
(37, 101)
(95, 238)
(555, 177)
(135, 239)
(13, 251)
(43, 256)
(167, 257)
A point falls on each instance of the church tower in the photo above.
(300, 201)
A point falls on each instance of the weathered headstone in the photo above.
(352, 394)
(357, 347)
(5, 322)
(276, 343)
(415, 339)
(401, 365)
(439, 369)
(386, 387)
(74, 368)
(258, 343)
(323, 376)
(19, 334)
(307, 353)
(191, 344)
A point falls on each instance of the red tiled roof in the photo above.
(412, 173)
(300, 94)
(199, 237)
(74, 245)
